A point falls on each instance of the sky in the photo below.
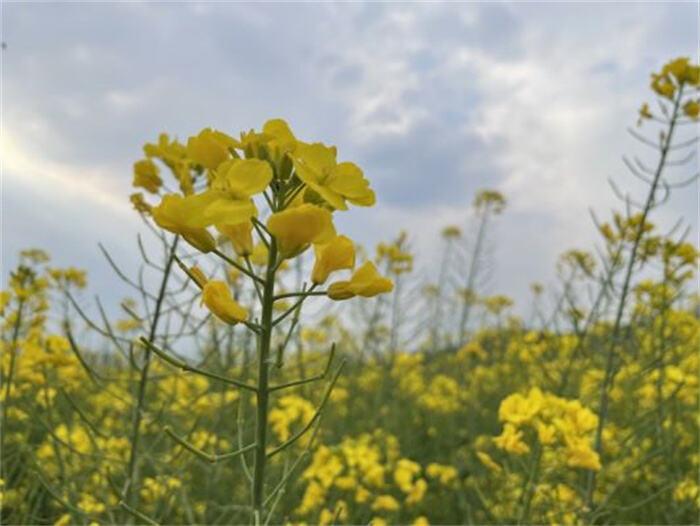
(434, 101)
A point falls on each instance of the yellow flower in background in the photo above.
(335, 182)
(385, 503)
(146, 176)
(259, 254)
(241, 237)
(366, 282)
(174, 156)
(291, 410)
(170, 152)
(644, 113)
(296, 228)
(210, 148)
(692, 109)
(579, 454)
(687, 489)
(405, 471)
(663, 85)
(174, 213)
(682, 70)
(487, 461)
(217, 297)
(337, 254)
(546, 433)
(675, 73)
(518, 409)
(451, 232)
(445, 474)
(511, 440)
(139, 203)
(417, 492)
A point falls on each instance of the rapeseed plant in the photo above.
(192, 406)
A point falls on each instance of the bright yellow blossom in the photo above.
(173, 214)
(146, 176)
(579, 454)
(240, 235)
(385, 503)
(296, 228)
(692, 109)
(511, 440)
(366, 281)
(216, 295)
(337, 254)
(210, 148)
(335, 182)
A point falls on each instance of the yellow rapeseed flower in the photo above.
(139, 203)
(174, 214)
(240, 235)
(335, 182)
(337, 254)
(366, 281)
(682, 70)
(518, 409)
(580, 455)
(217, 296)
(385, 503)
(210, 148)
(692, 109)
(511, 440)
(146, 176)
(296, 228)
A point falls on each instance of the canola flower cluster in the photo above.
(305, 180)
(557, 423)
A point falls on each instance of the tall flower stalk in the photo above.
(223, 182)
(673, 85)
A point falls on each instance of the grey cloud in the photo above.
(87, 84)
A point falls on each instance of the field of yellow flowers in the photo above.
(214, 400)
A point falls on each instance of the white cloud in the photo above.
(75, 186)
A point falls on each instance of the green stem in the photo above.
(213, 459)
(617, 328)
(264, 340)
(302, 294)
(188, 368)
(471, 277)
(141, 393)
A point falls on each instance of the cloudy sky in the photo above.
(434, 101)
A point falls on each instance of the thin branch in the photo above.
(186, 367)
(303, 381)
(310, 423)
(139, 515)
(233, 263)
(213, 459)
